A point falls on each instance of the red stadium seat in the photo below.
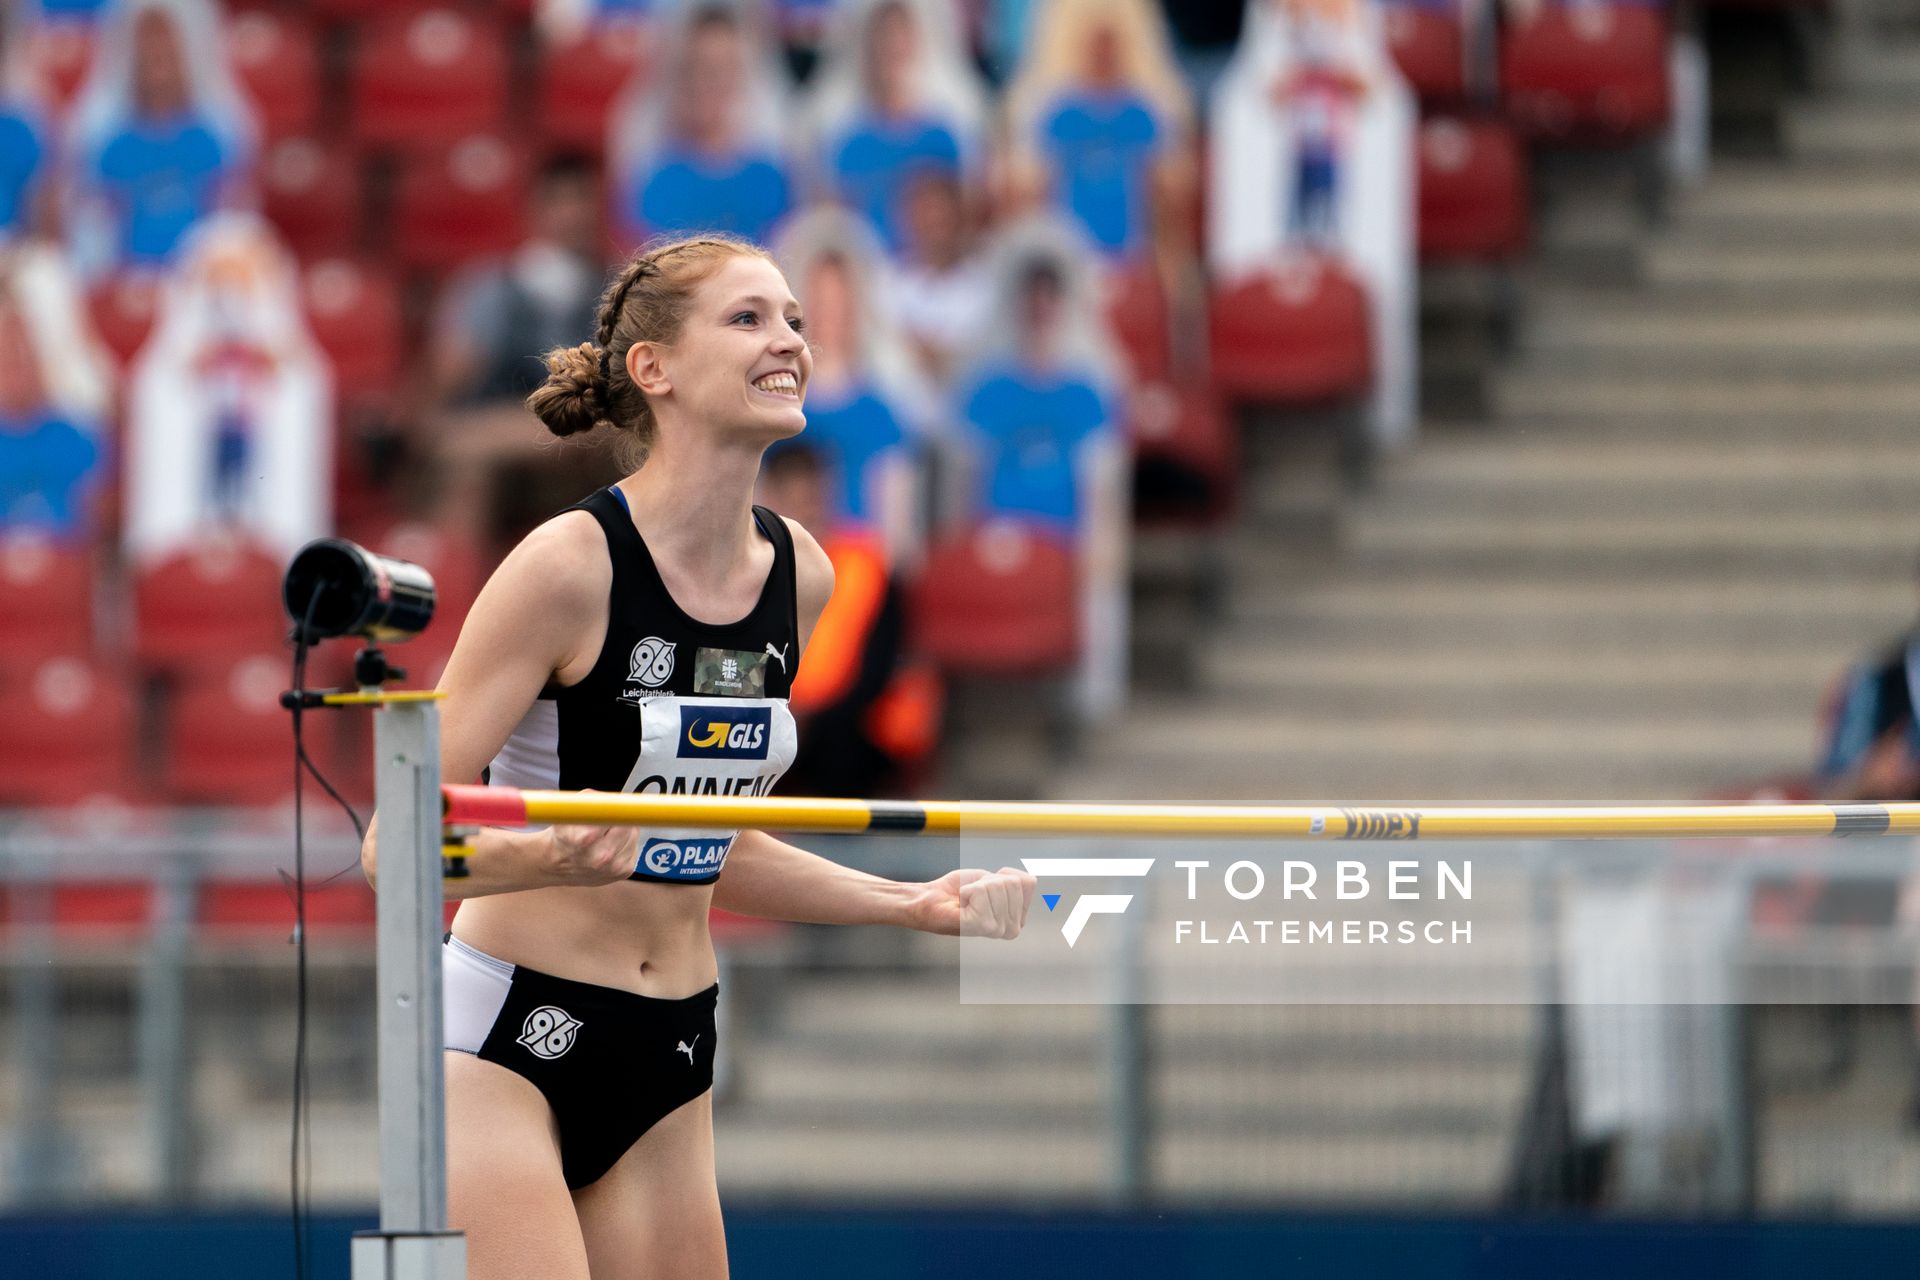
(123, 310)
(313, 194)
(1428, 43)
(278, 65)
(207, 606)
(1474, 201)
(463, 204)
(1138, 315)
(1588, 72)
(266, 906)
(999, 599)
(68, 735)
(46, 601)
(1186, 455)
(355, 315)
(580, 80)
(99, 908)
(229, 741)
(1295, 336)
(426, 80)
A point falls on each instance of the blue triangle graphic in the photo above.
(1051, 899)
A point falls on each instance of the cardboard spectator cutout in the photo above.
(1042, 404)
(24, 151)
(159, 135)
(867, 407)
(1313, 159)
(699, 145)
(229, 416)
(894, 98)
(55, 393)
(1101, 118)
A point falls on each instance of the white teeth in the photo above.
(779, 384)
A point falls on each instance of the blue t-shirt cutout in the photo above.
(744, 194)
(875, 159)
(859, 429)
(1102, 147)
(46, 466)
(1033, 425)
(20, 157)
(161, 177)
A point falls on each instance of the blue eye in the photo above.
(797, 324)
(745, 315)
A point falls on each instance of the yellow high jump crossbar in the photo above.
(507, 806)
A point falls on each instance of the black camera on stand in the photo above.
(338, 588)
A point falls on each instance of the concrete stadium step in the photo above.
(1773, 206)
(1436, 1170)
(898, 1017)
(1299, 772)
(1577, 478)
(1863, 131)
(1852, 341)
(1656, 544)
(1835, 403)
(1493, 744)
(1721, 272)
(1780, 618)
(1587, 419)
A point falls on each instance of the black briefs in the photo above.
(611, 1064)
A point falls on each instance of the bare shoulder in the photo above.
(564, 561)
(812, 570)
(548, 590)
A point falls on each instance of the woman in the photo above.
(644, 640)
(700, 145)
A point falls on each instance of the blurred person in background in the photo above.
(1040, 406)
(160, 136)
(55, 394)
(483, 357)
(896, 97)
(24, 158)
(1102, 124)
(1872, 740)
(867, 407)
(230, 404)
(941, 290)
(863, 716)
(699, 144)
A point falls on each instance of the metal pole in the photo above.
(163, 1033)
(413, 1242)
(1129, 1082)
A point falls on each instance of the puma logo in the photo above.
(779, 654)
(684, 1047)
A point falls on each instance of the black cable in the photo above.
(297, 1189)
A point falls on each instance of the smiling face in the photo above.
(739, 364)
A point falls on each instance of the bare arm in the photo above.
(774, 880)
(536, 616)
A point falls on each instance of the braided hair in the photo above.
(588, 385)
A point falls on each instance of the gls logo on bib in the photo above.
(724, 733)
